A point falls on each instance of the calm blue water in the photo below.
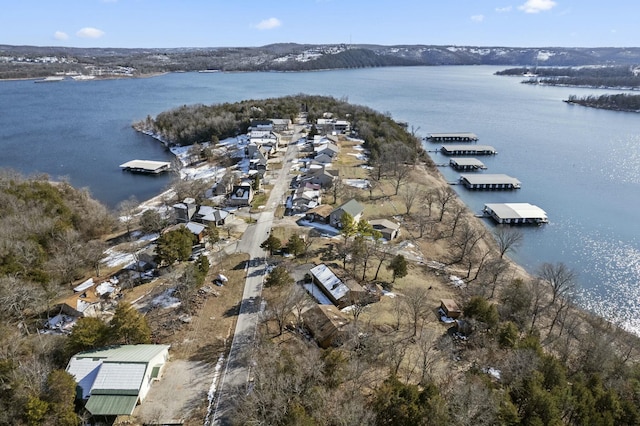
(581, 165)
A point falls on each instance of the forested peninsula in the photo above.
(518, 352)
(596, 77)
(618, 102)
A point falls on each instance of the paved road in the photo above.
(237, 372)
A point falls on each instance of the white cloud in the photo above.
(269, 24)
(88, 32)
(503, 9)
(537, 6)
(60, 35)
(477, 18)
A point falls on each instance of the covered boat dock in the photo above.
(452, 137)
(146, 166)
(466, 163)
(516, 213)
(489, 181)
(468, 150)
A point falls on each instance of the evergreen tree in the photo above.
(271, 244)
(128, 326)
(87, 333)
(174, 246)
(295, 245)
(279, 277)
(398, 266)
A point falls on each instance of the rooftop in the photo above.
(516, 211)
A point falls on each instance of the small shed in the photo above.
(450, 308)
(387, 228)
(327, 324)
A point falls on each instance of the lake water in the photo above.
(581, 165)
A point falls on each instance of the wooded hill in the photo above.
(618, 77)
(27, 61)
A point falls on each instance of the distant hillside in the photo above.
(34, 61)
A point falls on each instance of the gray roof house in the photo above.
(114, 380)
(184, 211)
(354, 208)
(321, 177)
(329, 149)
(208, 215)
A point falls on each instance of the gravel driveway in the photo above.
(182, 388)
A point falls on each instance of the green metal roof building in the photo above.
(114, 380)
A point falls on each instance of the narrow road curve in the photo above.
(237, 370)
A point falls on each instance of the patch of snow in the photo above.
(166, 300)
(115, 258)
(317, 294)
(212, 390)
(388, 293)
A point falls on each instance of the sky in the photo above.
(250, 23)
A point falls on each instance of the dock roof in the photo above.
(489, 179)
(453, 136)
(516, 211)
(467, 149)
(146, 165)
(467, 161)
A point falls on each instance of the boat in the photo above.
(51, 79)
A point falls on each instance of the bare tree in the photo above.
(93, 254)
(427, 200)
(495, 270)
(381, 252)
(443, 196)
(464, 243)
(457, 212)
(561, 278)
(127, 211)
(416, 305)
(402, 172)
(424, 222)
(508, 238)
(409, 195)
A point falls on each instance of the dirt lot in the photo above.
(196, 346)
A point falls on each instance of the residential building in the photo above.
(340, 292)
(241, 195)
(327, 325)
(354, 208)
(113, 380)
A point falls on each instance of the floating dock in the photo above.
(146, 166)
(489, 181)
(452, 137)
(468, 150)
(516, 213)
(469, 164)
